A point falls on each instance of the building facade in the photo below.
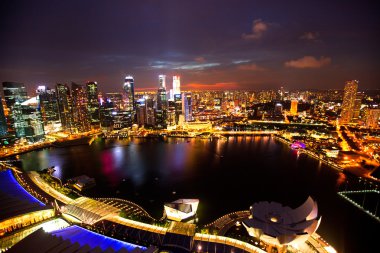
(348, 105)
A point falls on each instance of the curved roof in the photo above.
(83, 236)
(14, 199)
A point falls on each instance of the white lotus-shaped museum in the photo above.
(276, 224)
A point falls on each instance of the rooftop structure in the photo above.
(73, 239)
(181, 209)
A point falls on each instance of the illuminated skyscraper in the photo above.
(129, 89)
(162, 104)
(357, 105)
(176, 85)
(3, 121)
(14, 95)
(30, 124)
(93, 103)
(187, 110)
(49, 108)
(64, 106)
(350, 90)
(294, 107)
(81, 117)
(162, 81)
(372, 118)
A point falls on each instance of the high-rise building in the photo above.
(141, 112)
(49, 108)
(106, 112)
(64, 106)
(29, 123)
(357, 105)
(294, 107)
(129, 89)
(350, 90)
(161, 109)
(372, 118)
(176, 85)
(187, 110)
(162, 81)
(93, 104)
(14, 95)
(3, 121)
(81, 117)
(178, 107)
(149, 109)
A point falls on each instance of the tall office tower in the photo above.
(14, 95)
(141, 112)
(49, 108)
(64, 106)
(105, 115)
(278, 109)
(372, 118)
(3, 121)
(93, 104)
(171, 116)
(162, 104)
(149, 109)
(350, 90)
(81, 117)
(129, 89)
(178, 107)
(187, 110)
(294, 107)
(162, 81)
(28, 120)
(357, 105)
(176, 85)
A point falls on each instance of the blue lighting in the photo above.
(84, 236)
(11, 187)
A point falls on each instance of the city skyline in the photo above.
(215, 45)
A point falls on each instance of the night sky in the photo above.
(235, 44)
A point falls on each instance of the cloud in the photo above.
(250, 67)
(194, 65)
(211, 86)
(240, 61)
(199, 59)
(259, 27)
(309, 36)
(308, 62)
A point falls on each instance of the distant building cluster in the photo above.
(78, 108)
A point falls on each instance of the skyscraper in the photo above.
(29, 123)
(162, 104)
(176, 85)
(348, 105)
(129, 89)
(293, 107)
(373, 117)
(14, 95)
(49, 108)
(81, 117)
(187, 106)
(3, 121)
(162, 81)
(93, 104)
(64, 106)
(357, 106)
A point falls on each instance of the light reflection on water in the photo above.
(226, 175)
